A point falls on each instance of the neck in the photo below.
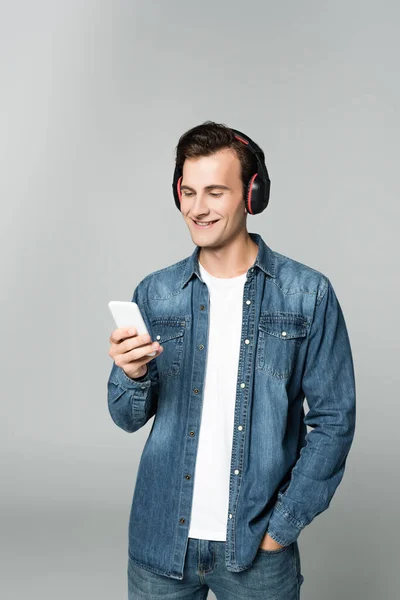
(232, 259)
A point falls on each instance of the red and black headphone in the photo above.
(258, 187)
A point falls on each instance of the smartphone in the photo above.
(127, 314)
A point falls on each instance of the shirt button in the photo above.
(181, 520)
(248, 301)
(191, 433)
(284, 333)
(242, 385)
(195, 391)
(240, 427)
(236, 471)
(230, 516)
(187, 476)
(247, 341)
(158, 337)
(202, 307)
(201, 347)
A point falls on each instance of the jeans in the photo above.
(274, 574)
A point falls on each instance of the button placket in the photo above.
(247, 341)
(196, 388)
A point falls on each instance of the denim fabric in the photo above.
(281, 476)
(274, 574)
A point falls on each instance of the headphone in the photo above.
(258, 188)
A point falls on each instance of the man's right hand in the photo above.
(128, 350)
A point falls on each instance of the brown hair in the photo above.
(209, 137)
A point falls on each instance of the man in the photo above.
(229, 476)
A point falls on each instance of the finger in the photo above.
(133, 342)
(122, 333)
(146, 359)
(139, 354)
(128, 358)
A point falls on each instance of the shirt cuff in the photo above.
(282, 527)
(142, 383)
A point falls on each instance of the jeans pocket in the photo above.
(275, 551)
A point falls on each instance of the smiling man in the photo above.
(216, 213)
(229, 476)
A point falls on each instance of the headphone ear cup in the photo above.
(247, 198)
(176, 188)
(258, 188)
(257, 195)
(250, 195)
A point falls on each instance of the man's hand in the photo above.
(268, 543)
(129, 350)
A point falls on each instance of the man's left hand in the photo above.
(268, 543)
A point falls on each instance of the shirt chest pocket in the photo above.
(170, 333)
(280, 335)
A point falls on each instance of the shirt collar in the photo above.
(265, 260)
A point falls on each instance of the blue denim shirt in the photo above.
(281, 477)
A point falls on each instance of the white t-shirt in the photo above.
(213, 462)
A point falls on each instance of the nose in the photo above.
(199, 205)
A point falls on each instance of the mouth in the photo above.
(204, 224)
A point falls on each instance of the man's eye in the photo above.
(185, 193)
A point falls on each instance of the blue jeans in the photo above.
(273, 574)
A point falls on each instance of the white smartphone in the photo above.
(127, 314)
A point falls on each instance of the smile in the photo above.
(206, 225)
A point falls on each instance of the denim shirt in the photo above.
(281, 477)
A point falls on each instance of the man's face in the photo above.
(212, 190)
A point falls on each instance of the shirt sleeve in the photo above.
(132, 402)
(329, 386)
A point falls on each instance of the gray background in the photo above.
(94, 96)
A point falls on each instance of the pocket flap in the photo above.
(283, 325)
(167, 328)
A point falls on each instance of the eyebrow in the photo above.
(207, 187)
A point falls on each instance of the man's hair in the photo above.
(210, 137)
